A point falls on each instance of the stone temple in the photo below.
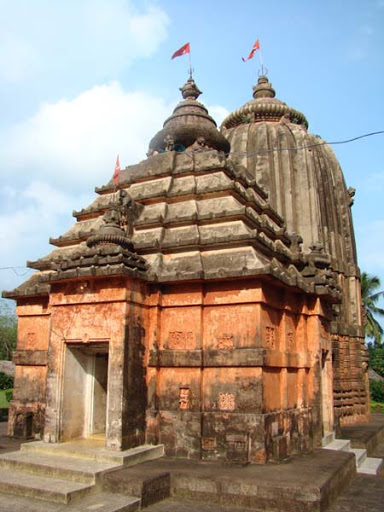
(209, 302)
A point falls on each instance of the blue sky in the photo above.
(84, 80)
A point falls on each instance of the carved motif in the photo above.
(169, 143)
(225, 342)
(290, 339)
(179, 340)
(31, 338)
(208, 443)
(227, 401)
(270, 336)
(184, 396)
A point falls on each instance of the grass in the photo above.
(4, 404)
(375, 404)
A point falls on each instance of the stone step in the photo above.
(370, 466)
(42, 487)
(150, 484)
(343, 445)
(57, 466)
(328, 438)
(360, 455)
(95, 450)
(100, 502)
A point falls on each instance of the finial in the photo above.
(263, 89)
(190, 90)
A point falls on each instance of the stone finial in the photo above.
(190, 90)
(263, 89)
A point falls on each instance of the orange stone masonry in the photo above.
(195, 306)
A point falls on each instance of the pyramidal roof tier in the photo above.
(187, 212)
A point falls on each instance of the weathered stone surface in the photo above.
(202, 302)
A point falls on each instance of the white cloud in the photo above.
(93, 39)
(51, 162)
(75, 142)
(218, 113)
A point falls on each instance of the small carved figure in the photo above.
(112, 216)
(351, 192)
(169, 143)
(285, 119)
(200, 144)
(184, 398)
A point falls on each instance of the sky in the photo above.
(84, 80)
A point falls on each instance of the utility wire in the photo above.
(15, 269)
(309, 146)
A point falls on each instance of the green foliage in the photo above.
(376, 389)
(8, 332)
(377, 406)
(370, 296)
(376, 358)
(8, 394)
(4, 394)
(6, 381)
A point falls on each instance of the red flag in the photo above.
(255, 47)
(181, 51)
(116, 171)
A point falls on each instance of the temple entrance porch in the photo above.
(85, 391)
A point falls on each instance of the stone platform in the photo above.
(322, 481)
(307, 483)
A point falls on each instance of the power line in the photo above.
(15, 270)
(309, 146)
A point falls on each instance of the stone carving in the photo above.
(169, 143)
(225, 342)
(237, 443)
(226, 401)
(129, 211)
(208, 444)
(200, 144)
(179, 340)
(270, 338)
(286, 118)
(351, 192)
(31, 337)
(184, 396)
(290, 339)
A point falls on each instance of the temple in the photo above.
(209, 302)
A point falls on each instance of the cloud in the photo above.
(51, 162)
(218, 113)
(29, 216)
(75, 142)
(77, 39)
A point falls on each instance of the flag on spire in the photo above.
(255, 47)
(116, 171)
(182, 51)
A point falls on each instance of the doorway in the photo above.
(85, 390)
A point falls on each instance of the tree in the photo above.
(8, 332)
(369, 295)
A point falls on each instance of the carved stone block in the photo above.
(225, 342)
(270, 337)
(184, 398)
(179, 340)
(227, 401)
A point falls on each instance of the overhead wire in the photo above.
(309, 146)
